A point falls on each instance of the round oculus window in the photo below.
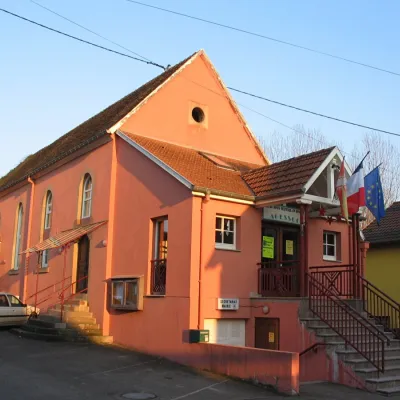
(198, 115)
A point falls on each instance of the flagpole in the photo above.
(365, 156)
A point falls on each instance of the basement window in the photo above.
(127, 293)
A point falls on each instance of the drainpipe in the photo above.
(204, 200)
(28, 241)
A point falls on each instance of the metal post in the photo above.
(358, 258)
(354, 239)
(302, 250)
(63, 283)
(39, 254)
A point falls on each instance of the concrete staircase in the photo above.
(387, 383)
(78, 324)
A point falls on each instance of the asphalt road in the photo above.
(35, 370)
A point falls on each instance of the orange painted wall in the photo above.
(64, 183)
(8, 212)
(170, 115)
(316, 228)
(230, 273)
(144, 192)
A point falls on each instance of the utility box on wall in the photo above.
(196, 336)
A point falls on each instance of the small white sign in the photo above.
(283, 214)
(228, 304)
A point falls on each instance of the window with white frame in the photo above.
(225, 232)
(330, 243)
(48, 210)
(18, 237)
(45, 258)
(87, 197)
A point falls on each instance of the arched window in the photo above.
(48, 209)
(18, 237)
(87, 197)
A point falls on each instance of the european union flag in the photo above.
(374, 194)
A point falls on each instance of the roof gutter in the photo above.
(223, 195)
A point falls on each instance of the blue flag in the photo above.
(374, 195)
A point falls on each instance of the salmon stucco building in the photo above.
(166, 213)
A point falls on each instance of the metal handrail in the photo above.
(332, 267)
(312, 347)
(379, 305)
(47, 287)
(323, 303)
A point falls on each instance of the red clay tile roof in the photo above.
(286, 176)
(85, 133)
(389, 229)
(197, 168)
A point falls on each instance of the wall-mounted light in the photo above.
(104, 243)
(265, 309)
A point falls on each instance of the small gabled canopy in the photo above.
(307, 174)
(64, 238)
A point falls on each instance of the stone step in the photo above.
(372, 372)
(101, 339)
(76, 321)
(86, 326)
(352, 331)
(47, 323)
(80, 296)
(37, 336)
(333, 336)
(350, 354)
(71, 307)
(391, 391)
(77, 302)
(383, 382)
(40, 329)
(390, 361)
(70, 314)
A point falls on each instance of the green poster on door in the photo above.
(268, 247)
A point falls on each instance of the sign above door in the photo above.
(287, 215)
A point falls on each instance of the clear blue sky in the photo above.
(50, 84)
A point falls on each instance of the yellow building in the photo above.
(383, 257)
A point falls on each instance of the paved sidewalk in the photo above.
(35, 370)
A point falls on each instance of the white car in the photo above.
(13, 311)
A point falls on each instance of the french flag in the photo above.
(356, 190)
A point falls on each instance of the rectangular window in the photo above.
(159, 262)
(225, 232)
(45, 258)
(127, 294)
(330, 251)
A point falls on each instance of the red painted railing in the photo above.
(47, 292)
(278, 281)
(338, 279)
(158, 276)
(63, 298)
(356, 331)
(380, 306)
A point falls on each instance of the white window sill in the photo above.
(227, 249)
(13, 272)
(331, 260)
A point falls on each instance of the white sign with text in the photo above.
(288, 215)
(228, 304)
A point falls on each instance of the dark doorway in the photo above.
(267, 333)
(280, 260)
(82, 271)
